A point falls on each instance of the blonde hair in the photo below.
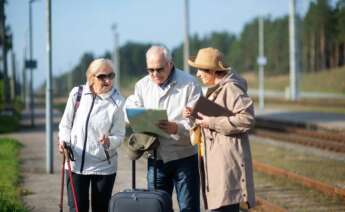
(95, 65)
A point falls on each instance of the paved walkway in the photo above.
(43, 190)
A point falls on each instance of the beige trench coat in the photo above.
(227, 156)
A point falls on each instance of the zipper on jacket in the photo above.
(85, 139)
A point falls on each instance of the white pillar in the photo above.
(261, 62)
(294, 64)
(116, 57)
(186, 36)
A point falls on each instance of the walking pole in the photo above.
(67, 156)
(62, 182)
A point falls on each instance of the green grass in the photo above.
(60, 106)
(325, 170)
(328, 81)
(9, 123)
(292, 196)
(9, 176)
(127, 85)
(302, 106)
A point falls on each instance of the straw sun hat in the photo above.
(209, 58)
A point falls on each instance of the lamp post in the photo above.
(31, 65)
(24, 79)
(49, 111)
(294, 62)
(261, 62)
(186, 36)
(116, 56)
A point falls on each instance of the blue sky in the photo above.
(85, 25)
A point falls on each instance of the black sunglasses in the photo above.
(158, 70)
(106, 76)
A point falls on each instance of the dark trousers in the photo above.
(101, 189)
(184, 175)
(228, 208)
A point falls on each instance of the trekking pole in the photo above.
(62, 182)
(69, 157)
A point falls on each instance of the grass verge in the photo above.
(10, 116)
(302, 163)
(9, 123)
(329, 81)
(292, 196)
(10, 176)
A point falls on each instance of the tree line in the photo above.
(321, 39)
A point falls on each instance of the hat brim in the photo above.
(221, 66)
(134, 155)
(147, 142)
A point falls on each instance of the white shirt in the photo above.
(96, 116)
(182, 90)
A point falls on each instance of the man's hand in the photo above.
(203, 120)
(168, 127)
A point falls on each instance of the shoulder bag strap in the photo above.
(77, 102)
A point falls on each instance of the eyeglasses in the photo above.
(158, 70)
(106, 76)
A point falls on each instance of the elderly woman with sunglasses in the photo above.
(225, 165)
(93, 126)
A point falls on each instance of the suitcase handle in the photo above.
(154, 172)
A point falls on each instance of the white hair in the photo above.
(157, 48)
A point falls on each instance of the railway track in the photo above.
(301, 134)
(290, 196)
(284, 189)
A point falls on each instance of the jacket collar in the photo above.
(218, 86)
(108, 94)
(102, 96)
(170, 80)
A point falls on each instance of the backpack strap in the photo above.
(77, 102)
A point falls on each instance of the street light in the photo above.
(261, 60)
(293, 46)
(49, 111)
(186, 36)
(31, 64)
(116, 57)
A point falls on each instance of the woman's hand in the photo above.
(203, 120)
(105, 141)
(187, 112)
(61, 147)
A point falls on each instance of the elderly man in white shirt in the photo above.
(94, 130)
(166, 87)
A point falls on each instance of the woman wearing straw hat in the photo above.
(226, 163)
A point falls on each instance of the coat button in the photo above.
(242, 165)
(242, 180)
(244, 195)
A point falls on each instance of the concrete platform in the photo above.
(43, 189)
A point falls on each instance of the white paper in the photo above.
(146, 120)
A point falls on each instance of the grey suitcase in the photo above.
(141, 200)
